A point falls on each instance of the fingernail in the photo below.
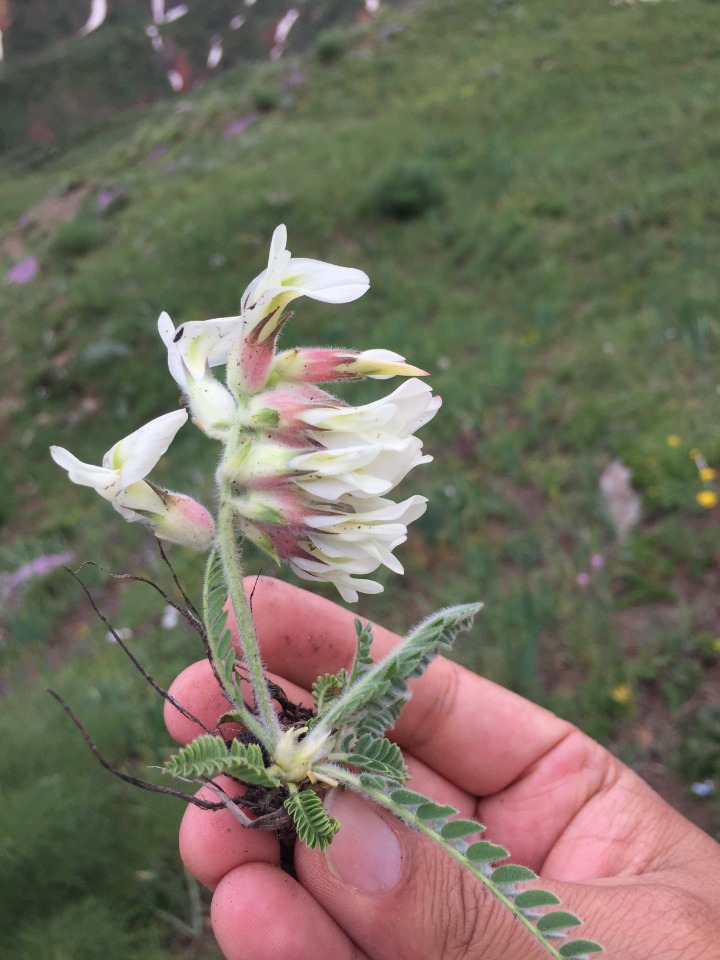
(365, 853)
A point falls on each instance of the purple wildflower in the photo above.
(38, 567)
(105, 198)
(240, 126)
(23, 271)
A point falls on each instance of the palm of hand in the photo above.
(646, 882)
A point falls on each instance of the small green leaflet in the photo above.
(579, 949)
(208, 756)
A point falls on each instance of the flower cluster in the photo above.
(304, 475)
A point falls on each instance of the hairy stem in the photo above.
(229, 553)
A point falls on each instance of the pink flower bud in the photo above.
(183, 521)
(325, 364)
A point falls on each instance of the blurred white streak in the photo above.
(282, 31)
(175, 79)
(98, 12)
(215, 52)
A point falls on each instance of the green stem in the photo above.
(220, 666)
(233, 573)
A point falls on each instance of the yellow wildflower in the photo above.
(674, 440)
(707, 473)
(622, 694)
(707, 499)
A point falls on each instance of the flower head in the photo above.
(319, 505)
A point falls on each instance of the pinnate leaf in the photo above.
(376, 694)
(363, 661)
(208, 756)
(313, 824)
(215, 616)
(328, 688)
(478, 858)
(378, 755)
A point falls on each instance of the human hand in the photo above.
(645, 881)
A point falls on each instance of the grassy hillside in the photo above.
(535, 200)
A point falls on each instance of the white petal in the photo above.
(356, 419)
(271, 277)
(203, 343)
(106, 482)
(286, 278)
(138, 496)
(166, 329)
(329, 463)
(396, 416)
(346, 585)
(325, 281)
(137, 454)
(278, 244)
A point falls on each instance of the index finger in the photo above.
(472, 731)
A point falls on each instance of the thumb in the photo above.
(399, 896)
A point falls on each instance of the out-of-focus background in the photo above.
(534, 192)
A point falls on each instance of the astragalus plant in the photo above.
(308, 479)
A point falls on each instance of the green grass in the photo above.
(561, 286)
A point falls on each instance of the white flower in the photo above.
(388, 421)
(362, 470)
(286, 278)
(192, 348)
(196, 345)
(367, 450)
(120, 480)
(128, 461)
(341, 546)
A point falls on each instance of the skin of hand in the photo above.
(645, 881)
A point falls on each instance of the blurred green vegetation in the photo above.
(556, 274)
